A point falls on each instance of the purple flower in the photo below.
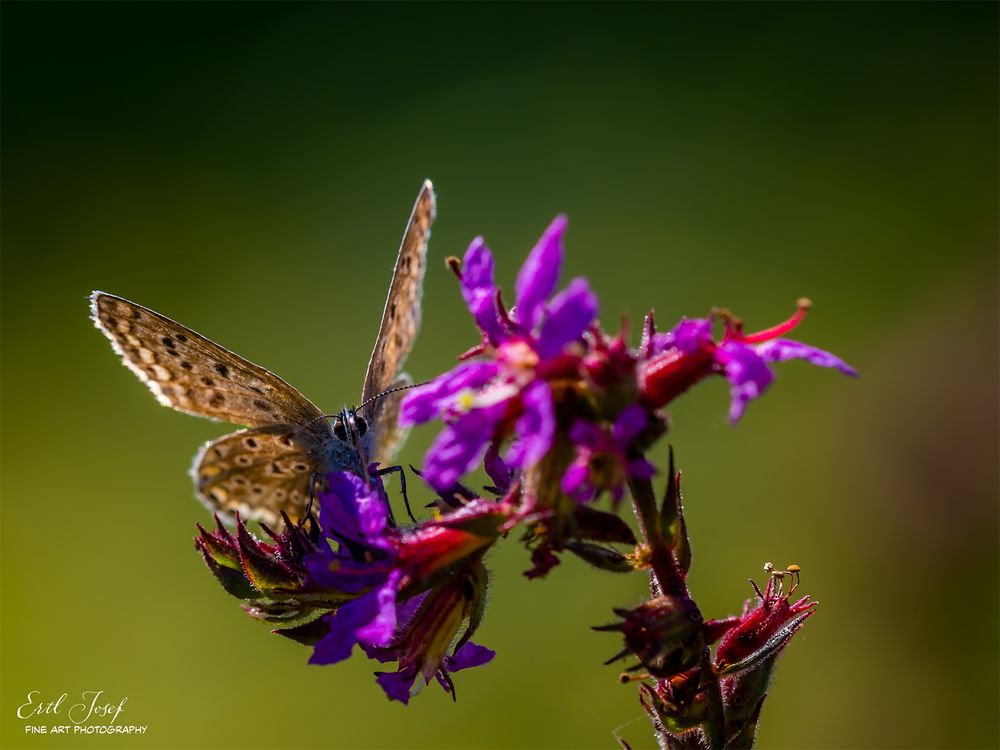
(420, 646)
(688, 353)
(414, 587)
(484, 402)
(606, 458)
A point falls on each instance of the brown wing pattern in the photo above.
(192, 374)
(401, 317)
(389, 436)
(258, 472)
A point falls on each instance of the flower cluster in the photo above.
(558, 413)
(571, 409)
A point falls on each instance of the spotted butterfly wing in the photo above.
(260, 471)
(271, 467)
(398, 331)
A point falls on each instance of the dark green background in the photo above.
(247, 169)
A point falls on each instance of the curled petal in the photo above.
(430, 401)
(535, 427)
(569, 314)
(780, 350)
(539, 274)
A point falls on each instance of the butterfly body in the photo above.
(289, 444)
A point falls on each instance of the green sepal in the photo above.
(672, 522)
(604, 558)
(598, 526)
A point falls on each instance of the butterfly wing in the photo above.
(192, 374)
(259, 472)
(389, 435)
(401, 316)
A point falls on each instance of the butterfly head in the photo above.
(349, 426)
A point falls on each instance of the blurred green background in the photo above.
(247, 169)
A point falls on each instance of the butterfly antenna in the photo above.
(387, 391)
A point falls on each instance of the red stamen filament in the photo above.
(782, 328)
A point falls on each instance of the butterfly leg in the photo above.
(402, 487)
(314, 482)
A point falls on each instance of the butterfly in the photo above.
(289, 444)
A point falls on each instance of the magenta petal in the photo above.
(470, 655)
(372, 515)
(339, 641)
(567, 317)
(780, 350)
(539, 274)
(640, 468)
(460, 446)
(382, 626)
(479, 289)
(576, 481)
(496, 469)
(429, 401)
(689, 336)
(535, 427)
(586, 434)
(397, 685)
(748, 375)
(629, 424)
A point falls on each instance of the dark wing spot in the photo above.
(276, 469)
(207, 381)
(258, 490)
(286, 440)
(216, 401)
(168, 342)
(262, 405)
(222, 369)
(392, 311)
(243, 460)
(255, 389)
(300, 467)
(136, 315)
(181, 337)
(173, 352)
(250, 443)
(239, 481)
(185, 365)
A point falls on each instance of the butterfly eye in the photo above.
(339, 430)
(362, 424)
